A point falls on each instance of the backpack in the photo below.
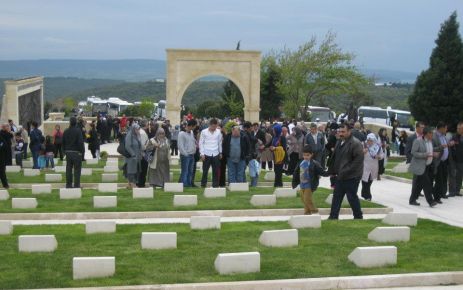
(121, 148)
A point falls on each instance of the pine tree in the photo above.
(270, 98)
(438, 93)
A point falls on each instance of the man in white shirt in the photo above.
(210, 149)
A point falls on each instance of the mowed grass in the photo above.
(162, 201)
(321, 253)
(391, 163)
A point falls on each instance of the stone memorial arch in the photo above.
(184, 66)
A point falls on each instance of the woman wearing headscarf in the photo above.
(267, 155)
(373, 153)
(295, 143)
(134, 150)
(159, 165)
(278, 147)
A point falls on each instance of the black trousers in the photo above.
(223, 170)
(214, 162)
(173, 147)
(440, 180)
(293, 162)
(366, 189)
(270, 165)
(3, 176)
(347, 187)
(59, 150)
(73, 169)
(142, 176)
(423, 182)
(278, 168)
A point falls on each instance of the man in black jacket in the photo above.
(455, 179)
(347, 166)
(73, 146)
(236, 150)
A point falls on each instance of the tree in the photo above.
(438, 93)
(270, 97)
(145, 109)
(232, 100)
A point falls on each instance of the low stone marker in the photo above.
(205, 222)
(86, 171)
(53, 177)
(4, 195)
(237, 263)
(269, 176)
(279, 238)
(98, 227)
(23, 202)
(41, 188)
(401, 168)
(64, 163)
(70, 193)
(93, 267)
(305, 221)
(109, 177)
(60, 169)
(285, 192)
(263, 200)
(239, 186)
(401, 219)
(37, 243)
(212, 192)
(390, 234)
(55, 160)
(13, 169)
(112, 159)
(185, 200)
(158, 241)
(91, 161)
(329, 199)
(111, 169)
(107, 187)
(104, 201)
(171, 176)
(173, 187)
(31, 172)
(112, 163)
(6, 227)
(143, 192)
(173, 161)
(28, 163)
(369, 257)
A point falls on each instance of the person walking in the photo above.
(132, 165)
(174, 141)
(146, 154)
(236, 150)
(73, 146)
(278, 147)
(35, 144)
(8, 137)
(58, 142)
(295, 145)
(5, 157)
(159, 166)
(210, 149)
(455, 182)
(93, 142)
(187, 149)
(441, 145)
(316, 139)
(25, 138)
(372, 153)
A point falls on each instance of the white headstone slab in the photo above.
(401, 168)
(112, 163)
(91, 161)
(41, 188)
(37, 243)
(370, 257)
(173, 161)
(107, 187)
(390, 234)
(111, 169)
(158, 241)
(285, 192)
(112, 159)
(143, 192)
(31, 172)
(86, 171)
(305, 221)
(269, 176)
(55, 160)
(6, 227)
(237, 263)
(243, 186)
(64, 163)
(13, 169)
(98, 227)
(4, 195)
(401, 219)
(173, 187)
(171, 176)
(23, 202)
(104, 201)
(28, 163)
(212, 192)
(264, 200)
(93, 267)
(70, 193)
(205, 222)
(279, 238)
(53, 177)
(109, 177)
(329, 199)
(60, 169)
(185, 200)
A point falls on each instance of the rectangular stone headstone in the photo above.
(171, 176)
(111, 169)
(269, 176)
(112, 163)
(31, 172)
(143, 192)
(112, 159)
(390, 234)
(64, 163)
(109, 177)
(98, 227)
(158, 241)
(401, 219)
(4, 195)
(329, 199)
(70, 193)
(370, 257)
(53, 177)
(13, 169)
(23, 202)
(205, 222)
(28, 163)
(279, 238)
(41, 188)
(173, 161)
(185, 200)
(285, 192)
(37, 243)
(305, 221)
(107, 187)
(173, 187)
(55, 160)
(6, 227)
(243, 186)
(401, 168)
(104, 201)
(212, 192)
(86, 171)
(237, 263)
(93, 267)
(60, 169)
(264, 200)
(91, 161)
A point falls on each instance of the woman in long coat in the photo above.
(295, 144)
(133, 148)
(267, 155)
(373, 153)
(159, 167)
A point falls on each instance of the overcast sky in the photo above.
(384, 34)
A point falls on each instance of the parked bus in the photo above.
(373, 115)
(321, 114)
(403, 117)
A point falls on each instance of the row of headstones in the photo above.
(28, 164)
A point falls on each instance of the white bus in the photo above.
(403, 117)
(373, 115)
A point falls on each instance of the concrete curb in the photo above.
(175, 214)
(352, 282)
(399, 179)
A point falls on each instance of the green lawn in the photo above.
(321, 253)
(161, 202)
(391, 164)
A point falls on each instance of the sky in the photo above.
(383, 34)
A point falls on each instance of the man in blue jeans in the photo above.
(236, 150)
(36, 141)
(187, 148)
